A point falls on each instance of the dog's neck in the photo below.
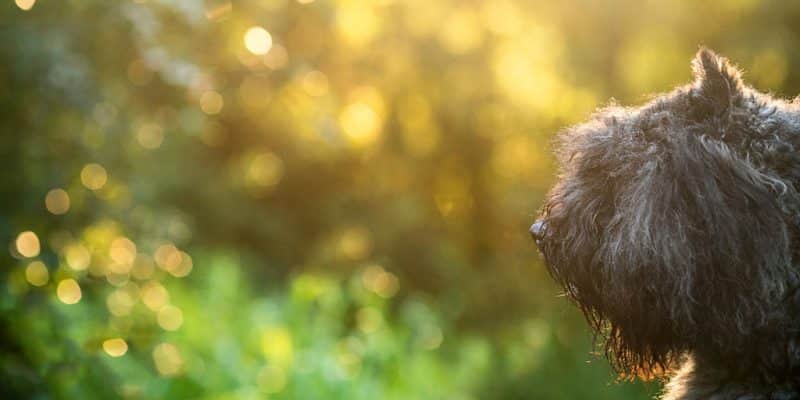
(766, 368)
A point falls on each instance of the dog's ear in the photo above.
(718, 84)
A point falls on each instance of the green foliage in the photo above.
(314, 199)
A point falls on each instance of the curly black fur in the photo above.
(674, 227)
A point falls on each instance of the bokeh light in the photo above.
(68, 291)
(257, 40)
(94, 176)
(57, 201)
(115, 347)
(150, 136)
(184, 268)
(37, 274)
(384, 284)
(120, 302)
(122, 252)
(354, 243)
(362, 119)
(77, 257)
(25, 4)
(277, 57)
(143, 267)
(167, 359)
(263, 170)
(360, 123)
(154, 295)
(211, 102)
(168, 257)
(170, 318)
(27, 244)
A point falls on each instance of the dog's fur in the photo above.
(674, 227)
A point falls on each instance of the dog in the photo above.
(674, 227)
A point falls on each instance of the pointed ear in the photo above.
(717, 83)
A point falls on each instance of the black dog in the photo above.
(674, 227)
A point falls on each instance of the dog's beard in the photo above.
(646, 322)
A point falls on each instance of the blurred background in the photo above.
(299, 199)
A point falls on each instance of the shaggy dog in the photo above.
(674, 228)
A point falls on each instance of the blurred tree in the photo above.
(314, 199)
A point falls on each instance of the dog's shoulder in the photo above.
(702, 381)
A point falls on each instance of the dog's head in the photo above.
(672, 224)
